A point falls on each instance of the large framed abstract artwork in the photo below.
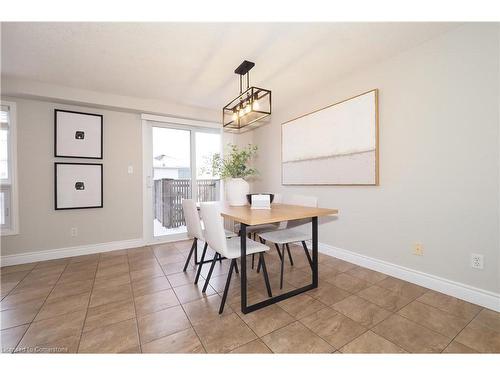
(78, 185)
(336, 145)
(77, 134)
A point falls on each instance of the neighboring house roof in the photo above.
(166, 161)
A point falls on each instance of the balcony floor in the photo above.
(160, 230)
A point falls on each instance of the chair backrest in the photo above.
(215, 235)
(300, 200)
(192, 218)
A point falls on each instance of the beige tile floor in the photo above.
(139, 300)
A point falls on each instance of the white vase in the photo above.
(236, 191)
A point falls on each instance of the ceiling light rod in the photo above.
(244, 69)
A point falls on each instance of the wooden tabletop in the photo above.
(277, 213)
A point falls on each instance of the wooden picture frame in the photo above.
(345, 153)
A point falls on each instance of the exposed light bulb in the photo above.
(234, 116)
(255, 105)
(248, 108)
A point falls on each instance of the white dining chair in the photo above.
(195, 230)
(295, 231)
(228, 247)
(254, 230)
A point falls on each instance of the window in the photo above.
(8, 172)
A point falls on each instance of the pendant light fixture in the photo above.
(252, 105)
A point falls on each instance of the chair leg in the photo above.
(306, 250)
(196, 253)
(201, 263)
(266, 276)
(253, 260)
(259, 265)
(226, 288)
(278, 250)
(190, 255)
(210, 272)
(236, 267)
(289, 254)
(282, 266)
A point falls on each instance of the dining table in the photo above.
(246, 216)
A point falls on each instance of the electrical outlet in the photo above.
(74, 232)
(130, 169)
(477, 261)
(418, 249)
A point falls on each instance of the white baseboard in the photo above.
(38, 256)
(465, 292)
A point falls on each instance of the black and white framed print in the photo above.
(78, 185)
(77, 134)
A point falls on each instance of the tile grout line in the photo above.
(71, 295)
(88, 304)
(326, 306)
(133, 301)
(296, 320)
(29, 323)
(322, 339)
(396, 312)
(417, 300)
(180, 304)
(355, 294)
(14, 288)
(250, 328)
(387, 317)
(468, 323)
(446, 312)
(233, 312)
(44, 301)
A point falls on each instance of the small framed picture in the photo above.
(77, 134)
(78, 185)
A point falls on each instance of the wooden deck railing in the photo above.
(168, 194)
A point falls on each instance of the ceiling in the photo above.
(193, 63)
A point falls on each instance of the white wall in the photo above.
(439, 158)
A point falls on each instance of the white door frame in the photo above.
(147, 166)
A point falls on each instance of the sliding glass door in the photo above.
(177, 167)
(207, 185)
(171, 179)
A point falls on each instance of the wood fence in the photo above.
(168, 194)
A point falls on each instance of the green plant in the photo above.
(235, 163)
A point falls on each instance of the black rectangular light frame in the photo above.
(232, 105)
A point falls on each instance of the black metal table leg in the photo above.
(315, 252)
(245, 309)
(243, 260)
